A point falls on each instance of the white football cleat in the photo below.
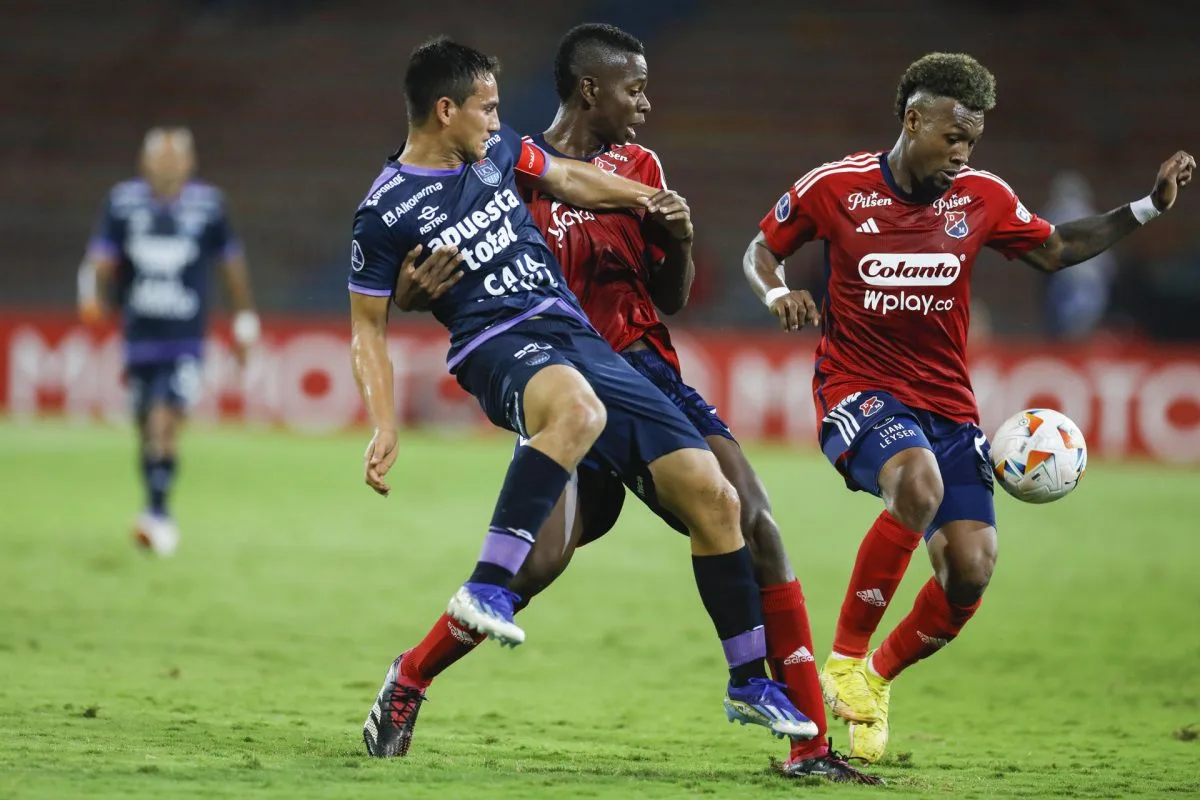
(156, 534)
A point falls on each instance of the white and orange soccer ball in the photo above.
(1039, 455)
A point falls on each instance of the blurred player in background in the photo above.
(897, 416)
(156, 242)
(522, 346)
(621, 264)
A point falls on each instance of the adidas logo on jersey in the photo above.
(801, 656)
(868, 227)
(873, 597)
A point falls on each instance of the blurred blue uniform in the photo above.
(165, 253)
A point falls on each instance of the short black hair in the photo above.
(443, 68)
(954, 75)
(584, 43)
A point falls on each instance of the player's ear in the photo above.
(444, 109)
(912, 121)
(587, 88)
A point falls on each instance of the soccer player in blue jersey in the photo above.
(520, 343)
(156, 243)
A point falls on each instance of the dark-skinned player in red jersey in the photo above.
(620, 266)
(896, 413)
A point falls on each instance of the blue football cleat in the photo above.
(487, 609)
(764, 702)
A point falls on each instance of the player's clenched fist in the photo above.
(795, 310)
(1175, 173)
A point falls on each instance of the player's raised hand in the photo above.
(795, 310)
(380, 455)
(1175, 173)
(417, 287)
(671, 211)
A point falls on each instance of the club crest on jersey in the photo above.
(872, 405)
(607, 166)
(783, 209)
(487, 172)
(956, 224)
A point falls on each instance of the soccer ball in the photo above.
(1039, 455)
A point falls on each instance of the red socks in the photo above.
(882, 559)
(446, 642)
(931, 625)
(790, 657)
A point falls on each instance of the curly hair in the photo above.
(955, 75)
(582, 45)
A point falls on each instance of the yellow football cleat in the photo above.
(844, 684)
(868, 740)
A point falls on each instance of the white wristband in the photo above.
(774, 294)
(246, 327)
(85, 282)
(1144, 210)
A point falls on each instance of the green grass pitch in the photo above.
(244, 666)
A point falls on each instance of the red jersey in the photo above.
(897, 308)
(605, 255)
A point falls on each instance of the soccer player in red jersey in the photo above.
(620, 266)
(896, 413)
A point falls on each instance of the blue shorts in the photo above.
(175, 383)
(600, 489)
(643, 425)
(662, 374)
(862, 432)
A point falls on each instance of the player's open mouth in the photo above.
(950, 173)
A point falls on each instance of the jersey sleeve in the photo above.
(650, 172)
(529, 160)
(374, 260)
(108, 234)
(1017, 230)
(793, 221)
(225, 240)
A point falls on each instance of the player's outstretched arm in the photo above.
(1077, 241)
(373, 371)
(579, 183)
(764, 270)
(670, 228)
(246, 325)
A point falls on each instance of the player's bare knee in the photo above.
(716, 521)
(762, 536)
(918, 498)
(726, 501)
(580, 418)
(158, 433)
(572, 427)
(968, 573)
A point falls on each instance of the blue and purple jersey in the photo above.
(509, 274)
(164, 252)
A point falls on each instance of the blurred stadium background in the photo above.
(295, 104)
